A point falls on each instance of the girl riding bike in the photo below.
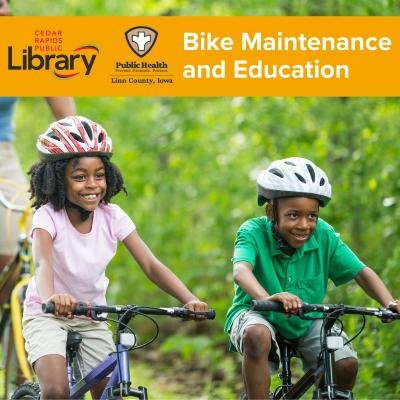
(75, 232)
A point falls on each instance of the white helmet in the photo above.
(292, 177)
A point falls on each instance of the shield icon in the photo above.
(141, 39)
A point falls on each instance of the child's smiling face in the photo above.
(85, 182)
(297, 219)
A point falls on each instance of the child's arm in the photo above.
(370, 282)
(61, 107)
(42, 251)
(244, 277)
(158, 273)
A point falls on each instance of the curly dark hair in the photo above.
(47, 182)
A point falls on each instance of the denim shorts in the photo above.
(309, 345)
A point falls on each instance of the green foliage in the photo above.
(187, 346)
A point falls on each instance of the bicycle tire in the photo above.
(27, 391)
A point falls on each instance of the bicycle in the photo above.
(13, 282)
(117, 363)
(323, 376)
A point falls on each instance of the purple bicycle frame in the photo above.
(110, 364)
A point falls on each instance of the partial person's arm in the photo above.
(370, 282)
(61, 107)
(42, 252)
(244, 277)
(159, 274)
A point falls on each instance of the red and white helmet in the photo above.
(74, 136)
(291, 177)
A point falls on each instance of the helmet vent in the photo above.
(64, 123)
(322, 182)
(276, 172)
(300, 178)
(311, 171)
(290, 163)
(100, 137)
(77, 137)
(53, 136)
(88, 129)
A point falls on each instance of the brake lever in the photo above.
(95, 317)
(302, 315)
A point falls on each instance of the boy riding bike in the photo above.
(289, 256)
(75, 232)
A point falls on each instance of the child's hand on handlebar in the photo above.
(64, 304)
(290, 302)
(197, 305)
(394, 305)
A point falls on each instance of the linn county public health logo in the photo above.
(141, 39)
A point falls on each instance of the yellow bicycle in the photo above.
(13, 282)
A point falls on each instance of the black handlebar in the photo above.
(92, 310)
(383, 313)
(266, 305)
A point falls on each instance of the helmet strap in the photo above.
(281, 243)
(84, 214)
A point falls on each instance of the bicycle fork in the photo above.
(120, 381)
(286, 375)
(329, 389)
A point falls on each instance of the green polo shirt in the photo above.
(306, 273)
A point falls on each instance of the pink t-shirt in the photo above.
(80, 259)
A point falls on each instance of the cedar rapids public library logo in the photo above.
(46, 52)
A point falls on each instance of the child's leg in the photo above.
(254, 337)
(97, 391)
(256, 348)
(346, 357)
(346, 373)
(51, 371)
(45, 342)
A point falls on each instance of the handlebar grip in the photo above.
(267, 305)
(210, 314)
(80, 308)
(48, 308)
(186, 313)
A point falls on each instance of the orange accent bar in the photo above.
(199, 56)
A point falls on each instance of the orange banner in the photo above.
(199, 56)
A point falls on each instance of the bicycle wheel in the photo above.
(28, 391)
